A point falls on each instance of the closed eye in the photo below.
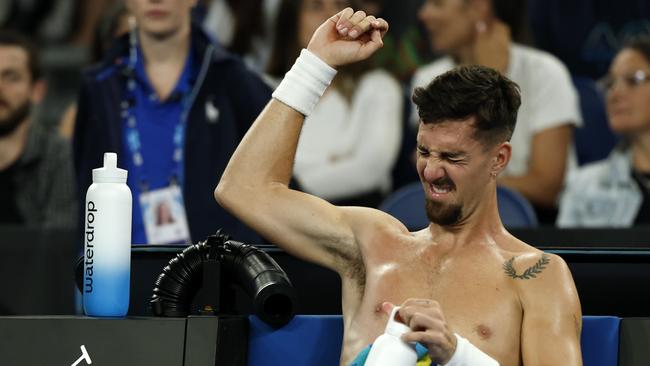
(454, 158)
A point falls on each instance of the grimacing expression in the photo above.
(454, 169)
(628, 97)
(16, 86)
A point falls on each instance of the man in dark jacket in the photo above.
(36, 175)
(174, 106)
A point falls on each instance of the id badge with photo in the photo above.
(164, 216)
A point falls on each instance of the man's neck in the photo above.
(13, 145)
(482, 226)
(164, 58)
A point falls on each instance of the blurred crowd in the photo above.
(173, 85)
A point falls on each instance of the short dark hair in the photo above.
(472, 91)
(12, 38)
(641, 44)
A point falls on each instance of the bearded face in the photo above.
(12, 117)
(441, 212)
(16, 88)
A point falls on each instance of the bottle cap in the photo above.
(109, 173)
(395, 327)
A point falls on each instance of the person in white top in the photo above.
(351, 141)
(475, 32)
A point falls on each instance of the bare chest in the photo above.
(477, 298)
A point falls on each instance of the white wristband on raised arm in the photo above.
(305, 83)
(467, 354)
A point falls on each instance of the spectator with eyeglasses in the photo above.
(615, 192)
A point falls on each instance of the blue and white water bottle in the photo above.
(107, 242)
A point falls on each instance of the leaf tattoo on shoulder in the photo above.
(529, 273)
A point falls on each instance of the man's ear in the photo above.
(39, 89)
(501, 158)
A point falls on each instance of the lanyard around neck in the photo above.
(133, 140)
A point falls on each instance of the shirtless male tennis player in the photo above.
(471, 293)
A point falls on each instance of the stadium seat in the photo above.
(316, 340)
(407, 205)
(594, 140)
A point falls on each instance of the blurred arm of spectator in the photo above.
(373, 126)
(543, 181)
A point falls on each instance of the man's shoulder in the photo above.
(379, 220)
(537, 273)
(374, 226)
(110, 64)
(532, 54)
(535, 62)
(99, 78)
(525, 263)
(45, 148)
(229, 71)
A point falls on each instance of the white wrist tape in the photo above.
(467, 354)
(305, 83)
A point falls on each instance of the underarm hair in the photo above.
(349, 258)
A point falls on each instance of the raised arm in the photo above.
(254, 186)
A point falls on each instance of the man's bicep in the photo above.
(303, 225)
(556, 341)
(552, 320)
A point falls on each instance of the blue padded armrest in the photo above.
(599, 340)
(316, 340)
(306, 340)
